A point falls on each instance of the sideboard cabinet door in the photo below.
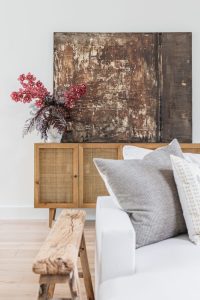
(91, 184)
(56, 175)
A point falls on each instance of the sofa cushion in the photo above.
(168, 270)
(187, 177)
(146, 190)
(134, 152)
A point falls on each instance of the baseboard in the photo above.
(31, 213)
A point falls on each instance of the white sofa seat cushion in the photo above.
(168, 270)
(173, 254)
(162, 286)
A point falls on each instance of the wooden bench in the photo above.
(57, 259)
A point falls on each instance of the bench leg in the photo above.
(52, 215)
(46, 291)
(51, 290)
(86, 271)
(74, 285)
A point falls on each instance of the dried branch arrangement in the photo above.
(47, 112)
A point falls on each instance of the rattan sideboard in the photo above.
(65, 175)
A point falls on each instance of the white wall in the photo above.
(26, 44)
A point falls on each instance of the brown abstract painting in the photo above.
(139, 85)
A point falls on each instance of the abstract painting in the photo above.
(139, 85)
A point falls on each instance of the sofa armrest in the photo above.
(115, 242)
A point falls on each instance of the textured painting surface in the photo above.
(139, 85)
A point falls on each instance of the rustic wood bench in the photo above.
(57, 259)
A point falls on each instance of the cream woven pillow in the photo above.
(187, 178)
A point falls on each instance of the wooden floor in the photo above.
(19, 243)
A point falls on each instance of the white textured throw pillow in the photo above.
(187, 178)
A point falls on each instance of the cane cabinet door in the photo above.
(56, 175)
(91, 184)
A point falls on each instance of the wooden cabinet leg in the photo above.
(86, 271)
(52, 215)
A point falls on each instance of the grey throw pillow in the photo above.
(146, 190)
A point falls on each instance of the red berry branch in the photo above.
(49, 111)
(31, 89)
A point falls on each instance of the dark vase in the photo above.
(67, 137)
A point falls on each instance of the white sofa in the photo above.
(168, 270)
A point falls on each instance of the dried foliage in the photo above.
(47, 116)
(46, 111)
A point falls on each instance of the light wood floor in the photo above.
(19, 243)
